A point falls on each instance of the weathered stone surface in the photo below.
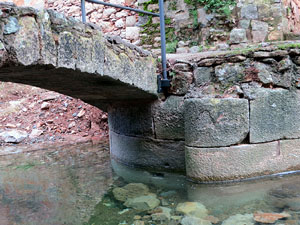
(136, 119)
(66, 51)
(162, 214)
(238, 219)
(238, 35)
(274, 115)
(13, 136)
(202, 75)
(202, 17)
(265, 72)
(286, 74)
(229, 73)
(190, 220)
(12, 26)
(147, 153)
(244, 24)
(249, 12)
(24, 42)
(195, 209)
(131, 190)
(259, 30)
(168, 118)
(181, 82)
(216, 122)
(143, 203)
(242, 161)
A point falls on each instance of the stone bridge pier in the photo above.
(228, 115)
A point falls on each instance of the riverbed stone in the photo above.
(242, 161)
(191, 220)
(239, 219)
(143, 203)
(168, 117)
(274, 115)
(212, 122)
(130, 191)
(195, 209)
(162, 214)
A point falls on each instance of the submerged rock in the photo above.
(131, 190)
(195, 209)
(287, 195)
(190, 220)
(238, 219)
(269, 217)
(143, 203)
(161, 214)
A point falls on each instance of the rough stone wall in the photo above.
(233, 114)
(189, 27)
(39, 4)
(293, 15)
(111, 20)
(240, 112)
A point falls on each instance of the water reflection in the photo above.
(52, 186)
(73, 186)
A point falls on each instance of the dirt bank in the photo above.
(32, 115)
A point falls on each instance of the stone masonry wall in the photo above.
(293, 15)
(189, 26)
(240, 112)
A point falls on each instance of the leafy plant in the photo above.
(216, 6)
(171, 47)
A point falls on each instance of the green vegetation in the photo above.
(26, 166)
(171, 47)
(216, 6)
(288, 45)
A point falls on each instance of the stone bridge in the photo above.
(45, 49)
(229, 115)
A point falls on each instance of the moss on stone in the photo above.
(288, 46)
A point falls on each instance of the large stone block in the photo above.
(216, 122)
(147, 153)
(230, 73)
(169, 119)
(132, 120)
(242, 161)
(274, 115)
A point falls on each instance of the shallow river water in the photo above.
(74, 185)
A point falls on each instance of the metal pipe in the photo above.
(165, 81)
(83, 14)
(123, 7)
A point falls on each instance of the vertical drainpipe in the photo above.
(83, 14)
(164, 83)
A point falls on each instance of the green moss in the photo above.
(243, 51)
(289, 45)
